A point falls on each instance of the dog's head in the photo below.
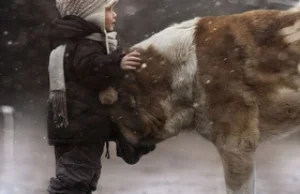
(139, 112)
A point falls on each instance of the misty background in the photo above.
(24, 86)
(24, 47)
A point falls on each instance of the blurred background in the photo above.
(185, 164)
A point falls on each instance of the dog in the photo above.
(235, 79)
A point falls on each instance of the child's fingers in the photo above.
(129, 68)
(132, 63)
(132, 58)
(134, 53)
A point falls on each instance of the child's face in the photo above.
(110, 19)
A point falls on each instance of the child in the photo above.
(84, 61)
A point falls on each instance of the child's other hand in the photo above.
(131, 61)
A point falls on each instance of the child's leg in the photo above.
(77, 169)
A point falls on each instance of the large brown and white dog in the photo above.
(235, 79)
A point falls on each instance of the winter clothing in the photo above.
(78, 169)
(81, 66)
(88, 69)
(57, 78)
(81, 8)
(57, 96)
(108, 96)
(92, 11)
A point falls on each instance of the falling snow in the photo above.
(24, 85)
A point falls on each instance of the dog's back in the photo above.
(252, 63)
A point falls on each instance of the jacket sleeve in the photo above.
(94, 68)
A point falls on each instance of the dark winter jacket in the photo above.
(88, 70)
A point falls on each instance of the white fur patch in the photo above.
(173, 42)
(184, 76)
(292, 33)
(176, 43)
(296, 7)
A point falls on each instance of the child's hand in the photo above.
(131, 61)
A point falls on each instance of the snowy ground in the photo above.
(184, 165)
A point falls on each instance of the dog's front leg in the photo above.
(236, 136)
(239, 169)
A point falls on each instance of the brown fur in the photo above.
(246, 90)
(249, 64)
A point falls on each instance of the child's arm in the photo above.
(96, 69)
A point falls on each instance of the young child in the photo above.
(83, 62)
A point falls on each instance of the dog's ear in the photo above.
(108, 96)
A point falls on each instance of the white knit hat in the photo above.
(90, 10)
